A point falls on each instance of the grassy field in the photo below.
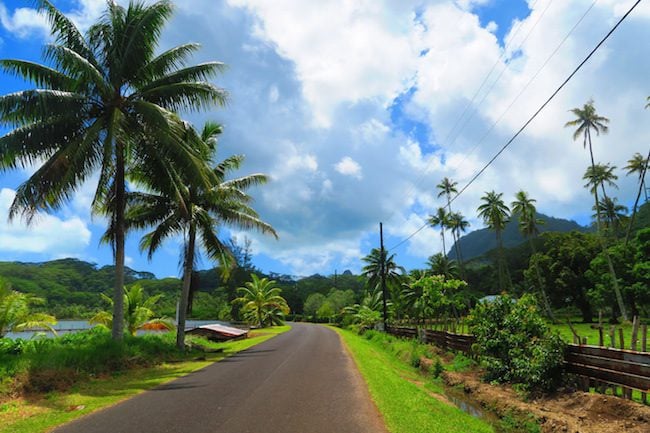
(408, 402)
(43, 412)
(589, 331)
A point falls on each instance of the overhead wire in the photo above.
(529, 121)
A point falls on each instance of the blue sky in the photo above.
(348, 107)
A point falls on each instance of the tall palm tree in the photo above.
(179, 207)
(524, 207)
(440, 219)
(598, 175)
(105, 104)
(496, 214)
(446, 187)
(458, 224)
(586, 121)
(262, 302)
(612, 212)
(637, 165)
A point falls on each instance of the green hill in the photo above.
(481, 241)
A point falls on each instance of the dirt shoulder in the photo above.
(575, 412)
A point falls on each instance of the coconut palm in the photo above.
(440, 219)
(179, 207)
(138, 311)
(372, 270)
(598, 175)
(640, 166)
(495, 214)
(524, 207)
(446, 187)
(104, 104)
(262, 303)
(586, 121)
(458, 224)
(441, 265)
(612, 213)
(15, 314)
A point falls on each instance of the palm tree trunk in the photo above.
(542, 290)
(444, 248)
(120, 235)
(610, 265)
(185, 292)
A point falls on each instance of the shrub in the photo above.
(516, 345)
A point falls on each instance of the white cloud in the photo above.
(349, 167)
(47, 235)
(24, 22)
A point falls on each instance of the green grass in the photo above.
(407, 401)
(586, 330)
(41, 413)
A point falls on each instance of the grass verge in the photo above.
(41, 413)
(408, 402)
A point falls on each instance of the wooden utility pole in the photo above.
(382, 270)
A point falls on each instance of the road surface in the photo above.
(302, 381)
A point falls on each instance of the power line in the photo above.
(529, 121)
(515, 33)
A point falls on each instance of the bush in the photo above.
(516, 345)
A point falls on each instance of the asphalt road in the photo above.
(302, 381)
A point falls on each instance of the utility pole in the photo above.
(382, 270)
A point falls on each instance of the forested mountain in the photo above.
(479, 242)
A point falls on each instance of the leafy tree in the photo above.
(261, 302)
(15, 314)
(516, 345)
(138, 311)
(441, 298)
(180, 207)
(496, 214)
(313, 304)
(563, 264)
(440, 219)
(524, 207)
(107, 104)
(586, 121)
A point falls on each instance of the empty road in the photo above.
(302, 381)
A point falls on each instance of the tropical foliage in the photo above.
(15, 314)
(138, 311)
(262, 303)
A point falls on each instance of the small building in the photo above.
(217, 332)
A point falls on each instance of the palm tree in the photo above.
(441, 265)
(612, 212)
(598, 175)
(193, 211)
(262, 302)
(458, 224)
(440, 219)
(524, 207)
(372, 270)
(586, 121)
(138, 311)
(496, 214)
(637, 165)
(15, 314)
(106, 104)
(446, 187)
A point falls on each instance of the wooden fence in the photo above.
(599, 367)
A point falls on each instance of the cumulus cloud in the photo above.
(48, 235)
(24, 22)
(349, 167)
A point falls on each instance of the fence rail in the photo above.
(625, 368)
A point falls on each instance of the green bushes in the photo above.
(516, 345)
(44, 364)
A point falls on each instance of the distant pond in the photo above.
(68, 326)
